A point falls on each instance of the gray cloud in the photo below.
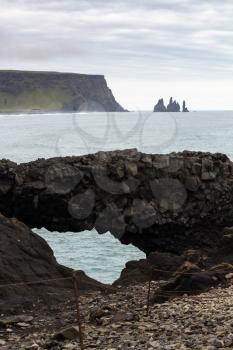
(152, 38)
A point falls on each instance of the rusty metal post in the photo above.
(77, 301)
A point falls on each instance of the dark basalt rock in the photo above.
(173, 106)
(155, 267)
(192, 280)
(193, 272)
(168, 203)
(160, 107)
(26, 257)
(184, 108)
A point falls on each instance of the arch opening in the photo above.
(101, 257)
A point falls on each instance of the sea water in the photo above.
(27, 137)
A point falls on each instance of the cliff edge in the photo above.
(37, 92)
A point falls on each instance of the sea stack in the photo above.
(173, 106)
(184, 108)
(160, 107)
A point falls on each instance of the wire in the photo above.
(21, 284)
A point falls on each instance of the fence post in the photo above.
(148, 296)
(77, 301)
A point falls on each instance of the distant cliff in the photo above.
(22, 91)
(173, 106)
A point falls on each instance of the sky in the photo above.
(147, 49)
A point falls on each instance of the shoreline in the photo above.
(188, 244)
(118, 321)
(101, 112)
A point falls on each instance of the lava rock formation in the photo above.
(173, 106)
(167, 203)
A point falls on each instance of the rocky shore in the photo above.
(119, 320)
(177, 208)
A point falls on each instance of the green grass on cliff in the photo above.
(34, 91)
(48, 99)
(24, 92)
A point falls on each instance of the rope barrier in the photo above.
(187, 273)
(161, 293)
(21, 284)
(169, 293)
(69, 278)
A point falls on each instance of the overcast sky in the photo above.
(146, 49)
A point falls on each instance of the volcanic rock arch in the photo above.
(156, 202)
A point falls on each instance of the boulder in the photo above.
(27, 265)
(157, 266)
(68, 333)
(191, 279)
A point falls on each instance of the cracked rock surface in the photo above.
(156, 202)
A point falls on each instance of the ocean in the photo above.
(25, 138)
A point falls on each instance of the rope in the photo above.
(21, 284)
(189, 273)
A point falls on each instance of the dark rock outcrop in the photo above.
(152, 267)
(193, 272)
(160, 107)
(190, 279)
(35, 92)
(26, 257)
(173, 106)
(168, 203)
(184, 108)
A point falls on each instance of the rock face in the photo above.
(193, 272)
(26, 257)
(160, 107)
(168, 203)
(140, 271)
(173, 106)
(28, 92)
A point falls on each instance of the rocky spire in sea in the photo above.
(173, 106)
(160, 107)
(184, 108)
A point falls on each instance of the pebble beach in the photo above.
(119, 321)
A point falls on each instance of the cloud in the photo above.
(152, 39)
